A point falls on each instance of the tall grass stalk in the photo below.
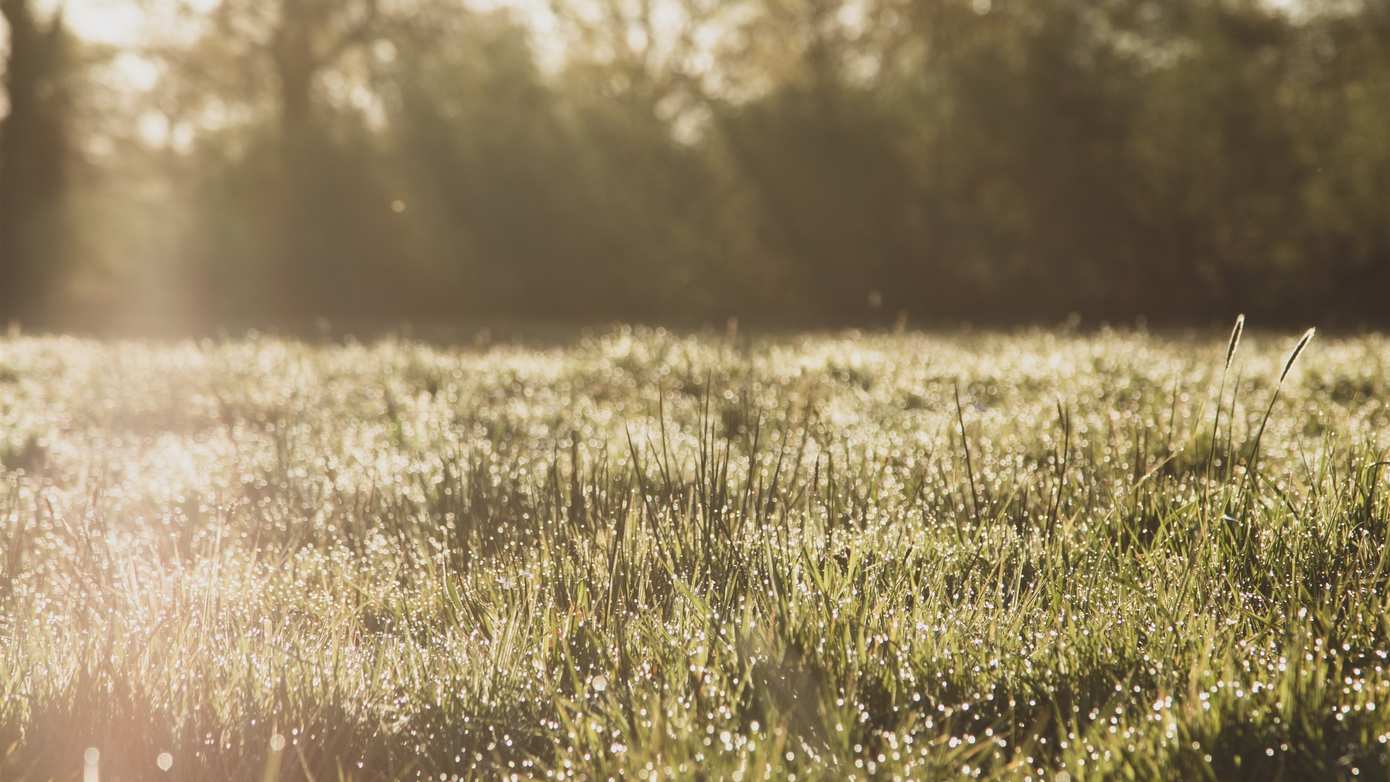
(1251, 461)
(1232, 344)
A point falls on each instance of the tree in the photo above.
(33, 154)
(296, 174)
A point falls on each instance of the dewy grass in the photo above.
(645, 555)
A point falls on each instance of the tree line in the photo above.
(779, 161)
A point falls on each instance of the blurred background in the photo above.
(182, 166)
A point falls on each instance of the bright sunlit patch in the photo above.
(125, 22)
(153, 129)
(138, 72)
(114, 22)
(91, 765)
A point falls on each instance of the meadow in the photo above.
(644, 555)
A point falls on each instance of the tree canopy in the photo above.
(686, 161)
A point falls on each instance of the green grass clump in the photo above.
(652, 556)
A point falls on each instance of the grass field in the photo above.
(649, 556)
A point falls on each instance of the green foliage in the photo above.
(688, 161)
(908, 556)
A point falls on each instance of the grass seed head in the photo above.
(1293, 356)
(1234, 342)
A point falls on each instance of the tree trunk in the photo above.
(32, 155)
(295, 71)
